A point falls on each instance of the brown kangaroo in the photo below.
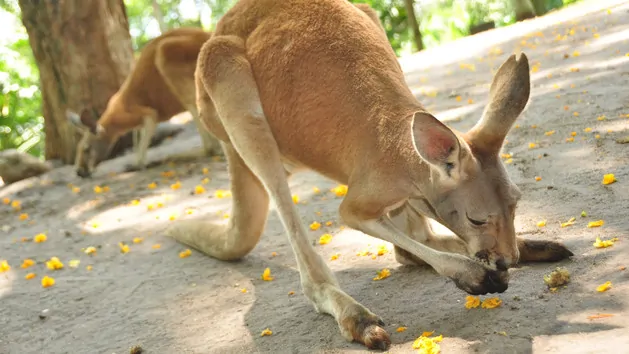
(160, 86)
(298, 84)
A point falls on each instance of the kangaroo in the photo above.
(290, 85)
(160, 86)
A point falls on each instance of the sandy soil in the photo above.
(167, 304)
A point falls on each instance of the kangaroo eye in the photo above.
(476, 222)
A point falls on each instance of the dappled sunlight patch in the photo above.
(6, 282)
(455, 114)
(608, 40)
(79, 209)
(154, 210)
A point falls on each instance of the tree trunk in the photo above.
(523, 9)
(413, 24)
(159, 16)
(540, 7)
(83, 51)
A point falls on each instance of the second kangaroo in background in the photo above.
(160, 86)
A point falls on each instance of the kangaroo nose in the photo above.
(83, 173)
(501, 264)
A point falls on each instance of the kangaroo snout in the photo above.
(83, 173)
(502, 263)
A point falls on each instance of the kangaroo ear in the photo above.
(84, 122)
(435, 142)
(509, 93)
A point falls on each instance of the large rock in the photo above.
(16, 166)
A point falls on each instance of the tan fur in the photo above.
(299, 84)
(160, 86)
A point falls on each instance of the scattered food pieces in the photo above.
(383, 274)
(266, 332)
(569, 222)
(138, 240)
(315, 226)
(74, 263)
(29, 276)
(40, 238)
(90, 250)
(123, 248)
(541, 223)
(597, 223)
(54, 264)
(340, 190)
(604, 243)
(363, 253)
(400, 329)
(335, 256)
(325, 239)
(609, 179)
(47, 281)
(23, 216)
(27, 263)
(557, 278)
(220, 193)
(266, 275)
(584, 214)
(491, 303)
(427, 345)
(604, 287)
(472, 302)
(4, 266)
(295, 198)
(185, 253)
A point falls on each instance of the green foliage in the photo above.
(392, 15)
(21, 122)
(144, 23)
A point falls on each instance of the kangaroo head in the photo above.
(93, 147)
(470, 191)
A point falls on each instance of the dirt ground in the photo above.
(167, 304)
